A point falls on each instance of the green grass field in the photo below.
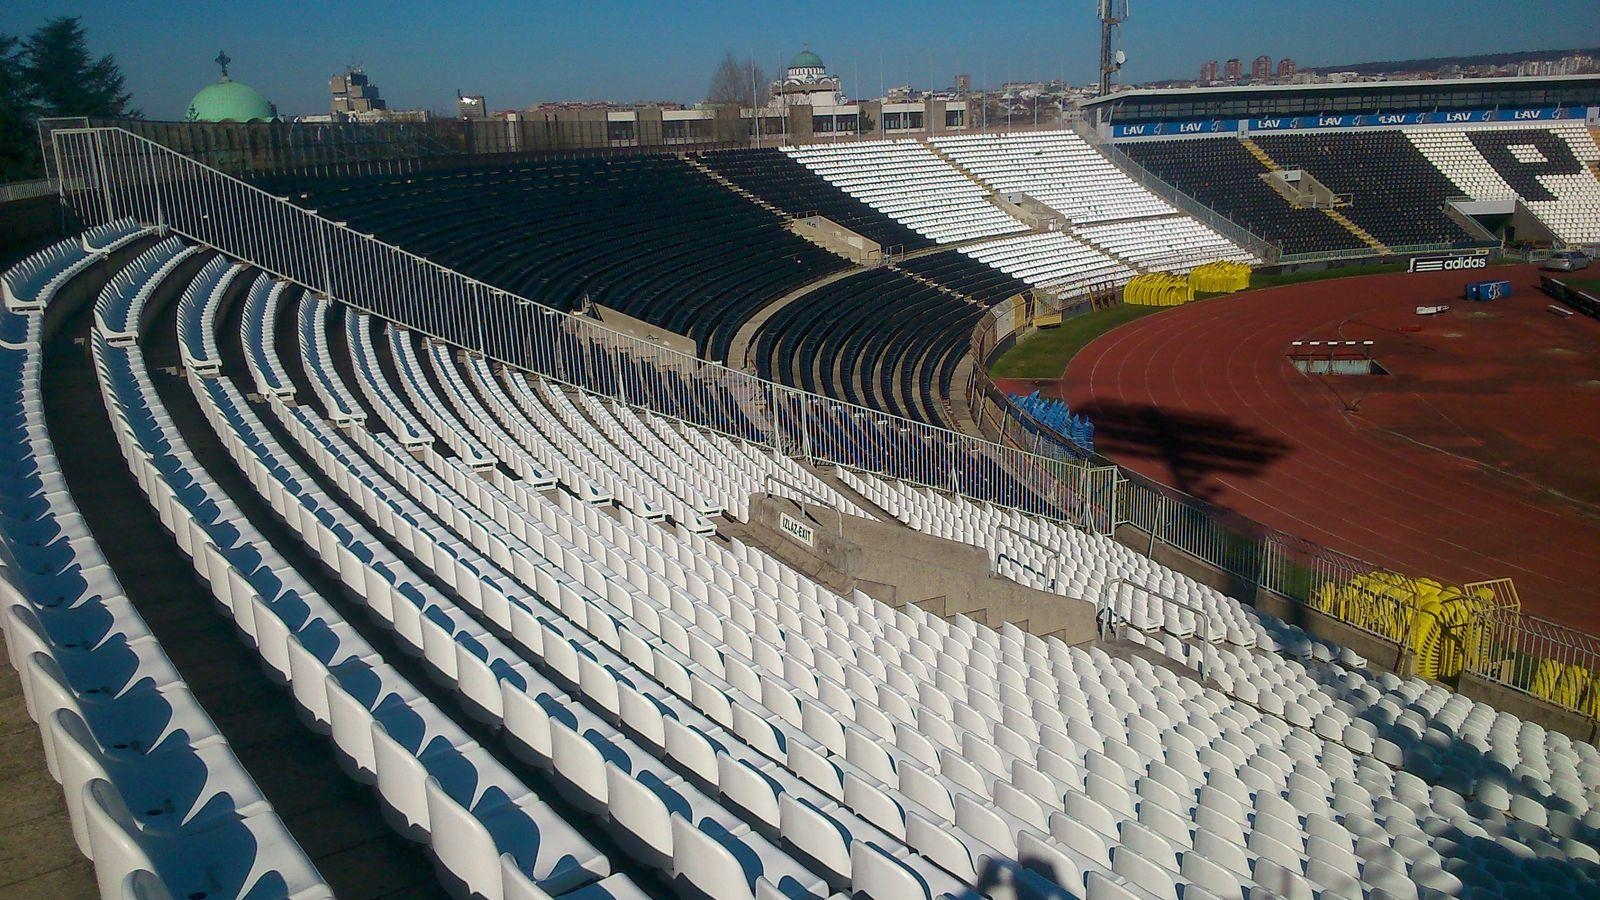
(1044, 353)
(1261, 280)
(1588, 285)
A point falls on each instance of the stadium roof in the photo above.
(1359, 96)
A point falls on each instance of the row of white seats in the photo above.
(1167, 244)
(337, 402)
(425, 404)
(484, 427)
(119, 313)
(31, 284)
(197, 343)
(553, 448)
(379, 394)
(261, 357)
(1052, 260)
(1448, 801)
(1057, 168)
(743, 469)
(906, 181)
(118, 724)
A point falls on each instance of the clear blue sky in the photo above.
(518, 53)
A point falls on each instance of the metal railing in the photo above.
(1541, 658)
(1112, 621)
(1053, 577)
(114, 174)
(108, 173)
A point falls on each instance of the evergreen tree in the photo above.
(51, 74)
(19, 151)
(64, 80)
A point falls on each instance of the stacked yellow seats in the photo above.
(1158, 289)
(1439, 623)
(1572, 687)
(1220, 277)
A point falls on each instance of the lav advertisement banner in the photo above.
(1176, 129)
(1463, 117)
(1297, 123)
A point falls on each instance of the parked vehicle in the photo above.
(1565, 261)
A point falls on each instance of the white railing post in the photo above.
(100, 169)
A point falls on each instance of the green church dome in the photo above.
(229, 101)
(805, 59)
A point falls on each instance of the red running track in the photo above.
(1477, 457)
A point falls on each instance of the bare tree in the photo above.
(738, 82)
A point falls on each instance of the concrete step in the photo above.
(725, 182)
(1260, 154)
(1365, 236)
(899, 566)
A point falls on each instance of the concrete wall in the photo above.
(835, 238)
(644, 331)
(899, 566)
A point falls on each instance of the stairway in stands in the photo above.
(705, 170)
(1343, 220)
(1258, 153)
(966, 173)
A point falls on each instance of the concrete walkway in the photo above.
(38, 858)
(739, 350)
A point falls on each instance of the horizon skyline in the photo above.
(667, 52)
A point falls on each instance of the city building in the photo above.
(353, 94)
(1261, 68)
(807, 83)
(1286, 68)
(1208, 71)
(1234, 70)
(963, 84)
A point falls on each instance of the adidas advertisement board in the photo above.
(1451, 262)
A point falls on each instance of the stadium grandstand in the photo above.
(348, 551)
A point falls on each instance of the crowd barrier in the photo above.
(109, 173)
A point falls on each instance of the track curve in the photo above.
(1477, 456)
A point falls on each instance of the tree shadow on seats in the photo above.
(1192, 446)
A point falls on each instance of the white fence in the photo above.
(114, 174)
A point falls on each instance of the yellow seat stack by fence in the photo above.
(1220, 277)
(1437, 622)
(1158, 289)
(1573, 687)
